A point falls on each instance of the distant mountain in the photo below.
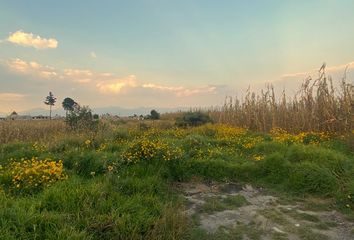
(113, 110)
(131, 111)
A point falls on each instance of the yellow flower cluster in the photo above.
(221, 131)
(147, 149)
(102, 147)
(258, 157)
(225, 132)
(280, 135)
(38, 147)
(87, 142)
(32, 174)
(177, 132)
(250, 142)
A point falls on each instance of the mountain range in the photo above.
(113, 110)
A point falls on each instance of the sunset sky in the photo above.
(165, 53)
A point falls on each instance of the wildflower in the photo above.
(92, 174)
(31, 174)
(258, 157)
(110, 168)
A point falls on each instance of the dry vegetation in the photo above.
(317, 106)
(30, 130)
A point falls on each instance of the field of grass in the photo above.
(117, 182)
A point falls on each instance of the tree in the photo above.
(50, 100)
(81, 119)
(68, 105)
(154, 114)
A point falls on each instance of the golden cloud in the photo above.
(31, 40)
(116, 85)
(32, 68)
(181, 91)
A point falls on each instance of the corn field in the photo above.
(317, 106)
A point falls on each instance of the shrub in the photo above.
(193, 119)
(154, 115)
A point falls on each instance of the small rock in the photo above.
(297, 225)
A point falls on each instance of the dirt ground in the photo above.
(233, 211)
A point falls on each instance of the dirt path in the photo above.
(231, 211)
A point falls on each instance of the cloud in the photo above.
(105, 83)
(79, 75)
(93, 55)
(30, 40)
(11, 97)
(181, 91)
(341, 68)
(333, 69)
(32, 68)
(290, 75)
(116, 85)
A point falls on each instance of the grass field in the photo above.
(118, 182)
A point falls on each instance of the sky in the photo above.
(166, 53)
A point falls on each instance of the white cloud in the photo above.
(93, 55)
(116, 85)
(31, 40)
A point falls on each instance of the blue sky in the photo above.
(164, 53)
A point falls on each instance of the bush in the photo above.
(193, 119)
(154, 115)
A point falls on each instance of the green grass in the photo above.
(135, 200)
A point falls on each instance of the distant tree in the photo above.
(192, 119)
(95, 116)
(154, 114)
(81, 119)
(50, 100)
(68, 105)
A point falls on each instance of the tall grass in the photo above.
(30, 130)
(317, 106)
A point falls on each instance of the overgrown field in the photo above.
(118, 182)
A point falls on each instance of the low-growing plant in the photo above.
(310, 178)
(31, 175)
(146, 149)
